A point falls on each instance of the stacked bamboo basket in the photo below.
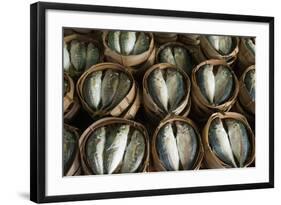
(195, 108)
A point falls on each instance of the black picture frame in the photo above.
(38, 100)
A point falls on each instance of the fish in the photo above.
(65, 86)
(78, 55)
(176, 88)
(166, 56)
(250, 83)
(115, 151)
(95, 149)
(183, 59)
(113, 41)
(123, 88)
(92, 55)
(187, 145)
(250, 45)
(142, 44)
(66, 58)
(223, 44)
(92, 90)
(167, 148)
(158, 89)
(69, 147)
(220, 144)
(109, 87)
(239, 140)
(224, 85)
(206, 82)
(127, 42)
(134, 153)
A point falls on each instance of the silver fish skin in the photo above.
(142, 44)
(167, 148)
(109, 87)
(176, 88)
(78, 55)
(206, 82)
(65, 86)
(183, 59)
(92, 90)
(220, 144)
(239, 140)
(187, 145)
(250, 83)
(134, 153)
(92, 55)
(114, 41)
(224, 85)
(127, 42)
(66, 58)
(123, 88)
(115, 152)
(95, 148)
(158, 89)
(166, 56)
(250, 44)
(69, 145)
(222, 44)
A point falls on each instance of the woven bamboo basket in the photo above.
(200, 105)
(244, 97)
(130, 101)
(157, 163)
(162, 38)
(128, 61)
(74, 167)
(88, 38)
(111, 121)
(211, 53)
(71, 104)
(211, 160)
(245, 57)
(189, 39)
(148, 101)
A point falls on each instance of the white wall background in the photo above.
(14, 103)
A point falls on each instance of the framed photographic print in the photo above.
(129, 102)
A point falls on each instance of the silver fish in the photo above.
(123, 88)
(92, 55)
(158, 89)
(166, 56)
(250, 44)
(167, 148)
(142, 44)
(65, 86)
(66, 58)
(219, 142)
(239, 140)
(78, 55)
(134, 153)
(113, 41)
(127, 42)
(109, 86)
(206, 82)
(187, 145)
(92, 90)
(114, 153)
(224, 85)
(183, 59)
(95, 148)
(69, 147)
(250, 83)
(176, 88)
(222, 44)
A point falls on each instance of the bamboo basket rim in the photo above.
(169, 119)
(109, 121)
(227, 115)
(68, 98)
(199, 96)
